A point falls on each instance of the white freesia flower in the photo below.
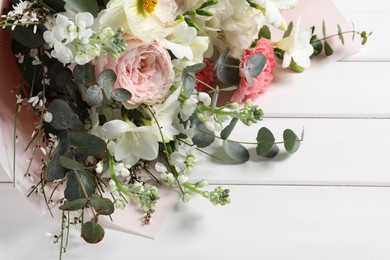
(272, 11)
(164, 116)
(145, 19)
(297, 46)
(129, 142)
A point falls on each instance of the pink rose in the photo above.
(260, 82)
(206, 75)
(144, 69)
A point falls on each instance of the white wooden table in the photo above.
(329, 201)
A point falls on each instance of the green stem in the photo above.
(192, 188)
(334, 35)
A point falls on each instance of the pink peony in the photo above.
(261, 82)
(144, 69)
(206, 75)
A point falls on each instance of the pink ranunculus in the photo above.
(206, 75)
(260, 82)
(144, 69)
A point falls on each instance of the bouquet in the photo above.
(126, 96)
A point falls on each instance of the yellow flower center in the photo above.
(149, 5)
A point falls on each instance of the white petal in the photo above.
(285, 4)
(286, 60)
(160, 167)
(115, 128)
(86, 17)
(180, 51)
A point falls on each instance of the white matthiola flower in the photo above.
(183, 158)
(205, 98)
(164, 116)
(166, 176)
(130, 143)
(111, 187)
(146, 19)
(297, 46)
(189, 107)
(272, 11)
(122, 169)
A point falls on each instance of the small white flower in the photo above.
(111, 187)
(47, 117)
(20, 57)
(205, 98)
(189, 107)
(99, 167)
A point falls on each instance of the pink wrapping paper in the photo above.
(130, 219)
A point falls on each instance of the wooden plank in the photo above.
(340, 89)
(334, 152)
(261, 223)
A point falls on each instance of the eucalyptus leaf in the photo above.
(106, 80)
(84, 73)
(121, 94)
(323, 28)
(289, 30)
(26, 36)
(188, 78)
(265, 141)
(101, 205)
(77, 183)
(87, 144)
(225, 133)
(94, 96)
(92, 232)
(63, 116)
(75, 204)
(291, 141)
(272, 152)
(78, 6)
(221, 59)
(214, 100)
(203, 137)
(328, 49)
(56, 5)
(340, 34)
(236, 151)
(228, 72)
(70, 164)
(55, 171)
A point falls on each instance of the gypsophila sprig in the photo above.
(129, 96)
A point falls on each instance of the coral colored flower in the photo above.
(260, 82)
(144, 69)
(206, 75)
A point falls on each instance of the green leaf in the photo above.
(70, 164)
(236, 151)
(328, 49)
(317, 45)
(214, 100)
(27, 37)
(264, 32)
(323, 28)
(289, 30)
(77, 182)
(188, 77)
(221, 59)
(57, 5)
(101, 205)
(84, 73)
(55, 171)
(203, 137)
(121, 94)
(75, 204)
(254, 66)
(106, 80)
(78, 6)
(265, 141)
(92, 232)
(225, 133)
(272, 152)
(63, 116)
(228, 72)
(94, 96)
(87, 144)
(340, 34)
(291, 141)
(295, 67)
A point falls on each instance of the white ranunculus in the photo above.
(130, 143)
(146, 20)
(297, 46)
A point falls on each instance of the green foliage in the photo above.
(254, 66)
(236, 151)
(55, 170)
(340, 34)
(106, 80)
(264, 32)
(188, 77)
(63, 116)
(328, 49)
(121, 94)
(78, 6)
(228, 71)
(92, 232)
(295, 67)
(79, 185)
(101, 205)
(203, 137)
(56, 5)
(26, 36)
(84, 73)
(87, 144)
(70, 164)
(225, 133)
(289, 30)
(266, 143)
(221, 59)
(75, 204)
(291, 141)
(94, 96)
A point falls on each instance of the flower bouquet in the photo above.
(118, 100)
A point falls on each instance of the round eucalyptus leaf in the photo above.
(63, 116)
(106, 80)
(225, 133)
(121, 94)
(228, 72)
(265, 141)
(75, 204)
(92, 232)
(87, 144)
(94, 96)
(255, 64)
(70, 164)
(236, 151)
(221, 59)
(84, 73)
(291, 141)
(78, 182)
(203, 137)
(101, 205)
